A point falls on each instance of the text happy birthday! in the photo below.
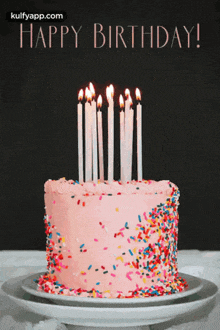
(130, 36)
(93, 130)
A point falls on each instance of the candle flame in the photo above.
(88, 94)
(121, 101)
(138, 94)
(99, 101)
(111, 90)
(130, 99)
(80, 95)
(127, 92)
(91, 87)
(108, 92)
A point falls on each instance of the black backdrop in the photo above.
(180, 100)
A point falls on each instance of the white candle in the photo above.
(130, 140)
(88, 132)
(80, 137)
(122, 137)
(100, 140)
(110, 93)
(126, 143)
(127, 101)
(139, 136)
(94, 136)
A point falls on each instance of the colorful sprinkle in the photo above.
(120, 258)
(128, 275)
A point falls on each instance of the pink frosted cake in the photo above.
(113, 241)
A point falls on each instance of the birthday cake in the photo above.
(111, 240)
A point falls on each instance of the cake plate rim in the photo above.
(195, 284)
(109, 317)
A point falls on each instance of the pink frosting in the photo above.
(63, 186)
(96, 247)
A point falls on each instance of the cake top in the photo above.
(149, 187)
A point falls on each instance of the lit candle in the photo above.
(88, 124)
(126, 143)
(130, 140)
(127, 102)
(100, 139)
(80, 136)
(94, 135)
(110, 93)
(122, 136)
(139, 135)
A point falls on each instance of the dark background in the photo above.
(180, 102)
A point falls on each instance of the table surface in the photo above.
(204, 264)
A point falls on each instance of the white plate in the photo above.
(194, 285)
(113, 315)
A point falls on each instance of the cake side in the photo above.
(111, 240)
